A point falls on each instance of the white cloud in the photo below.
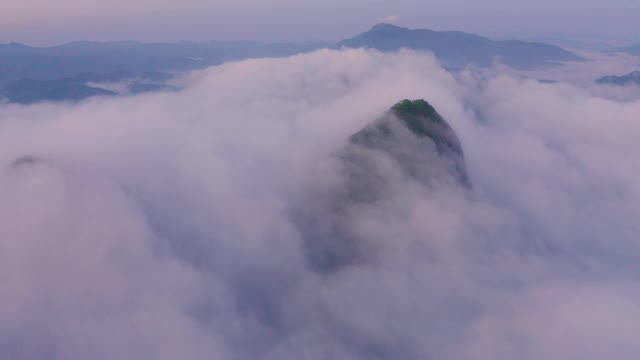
(390, 19)
(164, 225)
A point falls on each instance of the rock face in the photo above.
(409, 145)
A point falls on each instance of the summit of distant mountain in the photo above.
(459, 49)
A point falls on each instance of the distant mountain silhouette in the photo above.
(457, 49)
(65, 72)
(29, 91)
(633, 49)
(19, 61)
(82, 86)
(632, 78)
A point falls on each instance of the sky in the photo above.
(183, 225)
(43, 22)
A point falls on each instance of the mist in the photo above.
(168, 225)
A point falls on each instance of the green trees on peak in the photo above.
(415, 113)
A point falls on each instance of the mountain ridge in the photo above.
(459, 49)
(454, 49)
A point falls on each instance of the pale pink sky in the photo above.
(46, 22)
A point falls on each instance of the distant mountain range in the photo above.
(61, 73)
(83, 86)
(29, 91)
(67, 72)
(19, 61)
(624, 80)
(457, 49)
(633, 49)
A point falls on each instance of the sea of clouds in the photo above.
(167, 225)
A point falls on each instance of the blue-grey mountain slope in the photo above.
(82, 86)
(633, 49)
(29, 91)
(632, 78)
(65, 72)
(19, 61)
(457, 49)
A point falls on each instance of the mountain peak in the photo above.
(427, 129)
(457, 50)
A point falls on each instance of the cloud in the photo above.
(168, 225)
(390, 19)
